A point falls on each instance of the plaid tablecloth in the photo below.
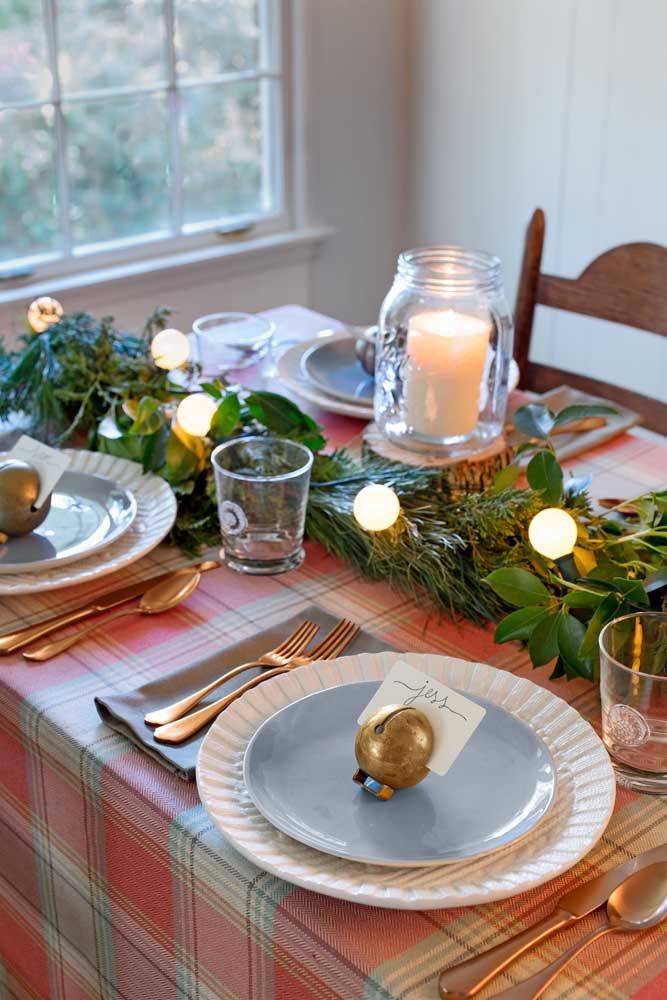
(114, 883)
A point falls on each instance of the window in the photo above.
(123, 122)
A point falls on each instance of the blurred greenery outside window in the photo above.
(130, 121)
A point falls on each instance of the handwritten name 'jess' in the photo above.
(430, 695)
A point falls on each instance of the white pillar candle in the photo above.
(446, 354)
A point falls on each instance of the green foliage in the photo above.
(559, 616)
(467, 555)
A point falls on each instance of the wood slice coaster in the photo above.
(466, 475)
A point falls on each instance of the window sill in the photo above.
(237, 257)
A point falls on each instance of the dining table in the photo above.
(114, 881)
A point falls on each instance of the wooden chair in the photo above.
(627, 285)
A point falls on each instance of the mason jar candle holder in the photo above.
(443, 353)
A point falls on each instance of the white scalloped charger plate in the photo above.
(585, 791)
(156, 512)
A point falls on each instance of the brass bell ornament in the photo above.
(19, 489)
(393, 747)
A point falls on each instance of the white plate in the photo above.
(292, 376)
(87, 514)
(584, 801)
(156, 512)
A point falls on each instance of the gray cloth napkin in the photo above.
(125, 712)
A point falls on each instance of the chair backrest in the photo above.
(627, 284)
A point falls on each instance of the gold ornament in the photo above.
(19, 489)
(43, 312)
(393, 747)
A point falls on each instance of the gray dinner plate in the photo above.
(298, 770)
(88, 512)
(333, 366)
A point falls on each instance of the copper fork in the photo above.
(176, 732)
(278, 657)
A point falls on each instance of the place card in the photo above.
(454, 718)
(49, 463)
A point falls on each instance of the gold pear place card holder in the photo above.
(413, 725)
(28, 475)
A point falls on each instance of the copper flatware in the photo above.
(469, 977)
(278, 657)
(637, 904)
(582, 426)
(11, 641)
(337, 640)
(162, 597)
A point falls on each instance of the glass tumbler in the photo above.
(633, 690)
(262, 489)
(227, 341)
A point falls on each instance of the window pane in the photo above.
(24, 61)
(110, 43)
(117, 155)
(28, 210)
(221, 150)
(216, 36)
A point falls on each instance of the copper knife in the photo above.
(21, 637)
(469, 977)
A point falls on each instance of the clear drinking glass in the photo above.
(262, 487)
(633, 689)
(227, 341)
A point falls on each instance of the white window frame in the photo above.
(196, 240)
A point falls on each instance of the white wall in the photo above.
(520, 103)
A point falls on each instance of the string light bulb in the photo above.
(43, 312)
(170, 349)
(195, 413)
(553, 533)
(376, 507)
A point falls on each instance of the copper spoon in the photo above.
(635, 905)
(161, 597)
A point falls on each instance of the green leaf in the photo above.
(519, 587)
(149, 417)
(604, 613)
(212, 389)
(519, 624)
(281, 416)
(545, 474)
(570, 637)
(226, 417)
(558, 670)
(534, 420)
(582, 599)
(581, 411)
(505, 478)
(632, 589)
(543, 643)
(181, 462)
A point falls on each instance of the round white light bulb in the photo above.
(376, 507)
(43, 312)
(170, 349)
(195, 413)
(553, 533)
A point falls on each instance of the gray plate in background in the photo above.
(298, 771)
(333, 365)
(87, 513)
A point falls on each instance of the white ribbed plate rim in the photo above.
(156, 512)
(585, 791)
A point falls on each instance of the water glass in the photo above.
(633, 689)
(262, 489)
(227, 341)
